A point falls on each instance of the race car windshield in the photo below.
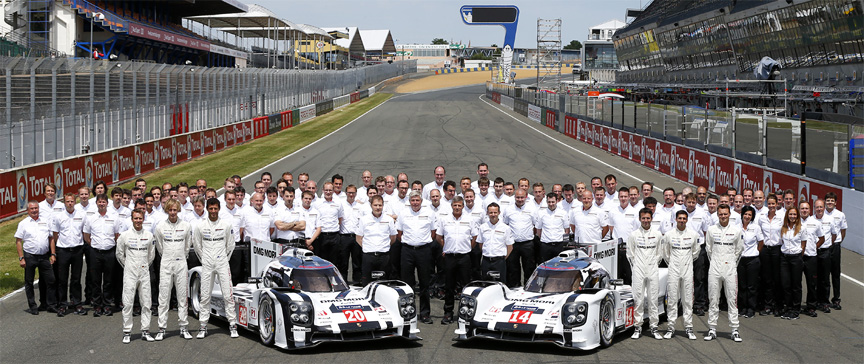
(554, 281)
(318, 280)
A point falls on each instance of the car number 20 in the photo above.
(355, 315)
(520, 317)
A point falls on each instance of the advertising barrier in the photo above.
(507, 102)
(550, 118)
(323, 107)
(17, 186)
(534, 113)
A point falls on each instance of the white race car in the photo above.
(570, 301)
(299, 300)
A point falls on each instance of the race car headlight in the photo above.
(406, 306)
(575, 314)
(299, 313)
(467, 307)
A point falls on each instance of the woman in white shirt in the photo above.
(792, 239)
(749, 265)
(770, 223)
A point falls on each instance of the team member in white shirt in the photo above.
(482, 195)
(375, 234)
(588, 222)
(289, 222)
(197, 214)
(50, 205)
(135, 251)
(793, 237)
(749, 267)
(457, 234)
(680, 247)
(538, 202)
(495, 242)
(173, 242)
(258, 219)
(816, 237)
(214, 244)
(482, 172)
(330, 215)
(724, 244)
(66, 227)
(840, 225)
(644, 253)
(823, 254)
(310, 215)
(759, 204)
(416, 228)
(347, 233)
(553, 227)
(100, 232)
(366, 177)
(84, 204)
(771, 222)
(503, 200)
(438, 183)
(520, 218)
(36, 250)
(611, 189)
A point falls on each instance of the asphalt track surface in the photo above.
(413, 134)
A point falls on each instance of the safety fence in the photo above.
(17, 186)
(53, 109)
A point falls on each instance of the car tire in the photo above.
(267, 320)
(195, 295)
(606, 317)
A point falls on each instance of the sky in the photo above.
(419, 21)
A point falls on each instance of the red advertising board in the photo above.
(208, 144)
(69, 175)
(287, 119)
(125, 163)
(195, 145)
(145, 160)
(101, 165)
(260, 127)
(550, 114)
(34, 181)
(181, 148)
(247, 131)
(8, 195)
(165, 153)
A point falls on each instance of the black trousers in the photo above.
(239, 264)
(396, 262)
(550, 250)
(419, 259)
(342, 254)
(772, 293)
(625, 272)
(520, 261)
(791, 266)
(476, 254)
(811, 265)
(823, 272)
(356, 261)
(102, 270)
(748, 283)
(325, 245)
(42, 262)
(457, 272)
(437, 251)
(155, 267)
(88, 278)
(69, 264)
(375, 262)
(494, 264)
(835, 271)
(700, 280)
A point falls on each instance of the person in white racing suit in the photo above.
(643, 252)
(724, 243)
(173, 241)
(213, 241)
(680, 248)
(135, 252)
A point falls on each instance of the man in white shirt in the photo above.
(840, 226)
(538, 202)
(337, 181)
(366, 177)
(289, 223)
(66, 227)
(457, 234)
(389, 193)
(553, 227)
(568, 198)
(611, 189)
(823, 260)
(482, 172)
(375, 234)
(520, 218)
(258, 219)
(50, 205)
(348, 250)
(644, 253)
(36, 250)
(496, 243)
(482, 195)
(438, 183)
(589, 223)
(724, 243)
(116, 207)
(310, 215)
(100, 231)
(329, 219)
(416, 228)
(623, 220)
(197, 213)
(500, 197)
(475, 212)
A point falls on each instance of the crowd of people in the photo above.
(751, 247)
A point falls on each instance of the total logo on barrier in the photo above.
(768, 182)
(58, 178)
(673, 155)
(88, 170)
(156, 155)
(691, 170)
(115, 167)
(22, 190)
(804, 191)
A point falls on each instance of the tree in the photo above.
(494, 45)
(574, 44)
(439, 41)
(480, 56)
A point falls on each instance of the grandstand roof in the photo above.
(313, 30)
(612, 24)
(354, 42)
(253, 23)
(661, 12)
(378, 41)
(186, 8)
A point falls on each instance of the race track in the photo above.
(412, 134)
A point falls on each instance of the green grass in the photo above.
(247, 158)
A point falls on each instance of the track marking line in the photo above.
(852, 279)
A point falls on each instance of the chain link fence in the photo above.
(53, 108)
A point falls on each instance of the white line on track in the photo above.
(853, 280)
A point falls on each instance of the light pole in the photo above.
(93, 19)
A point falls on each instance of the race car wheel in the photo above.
(267, 320)
(195, 295)
(607, 322)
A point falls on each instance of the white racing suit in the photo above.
(724, 246)
(643, 252)
(680, 249)
(173, 242)
(135, 252)
(214, 242)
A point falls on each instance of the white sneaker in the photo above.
(145, 335)
(656, 333)
(160, 335)
(636, 333)
(233, 330)
(712, 334)
(127, 337)
(185, 333)
(202, 332)
(736, 336)
(670, 332)
(690, 334)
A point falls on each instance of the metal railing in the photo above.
(57, 108)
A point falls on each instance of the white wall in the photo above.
(64, 29)
(853, 207)
(4, 28)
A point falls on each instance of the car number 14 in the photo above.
(355, 315)
(520, 317)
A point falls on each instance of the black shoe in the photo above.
(86, 302)
(61, 312)
(42, 308)
(448, 319)
(136, 312)
(826, 308)
(699, 312)
(765, 312)
(154, 312)
(836, 306)
(792, 316)
(79, 310)
(97, 311)
(810, 312)
(779, 313)
(53, 309)
(32, 311)
(108, 311)
(426, 319)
